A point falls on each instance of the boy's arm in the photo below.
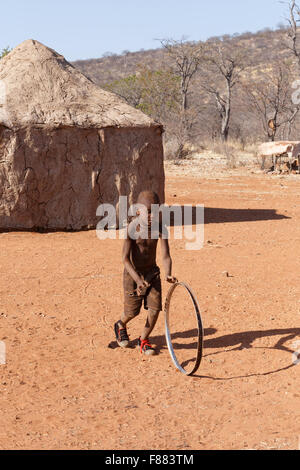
(167, 260)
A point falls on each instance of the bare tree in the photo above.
(185, 58)
(292, 31)
(269, 98)
(226, 63)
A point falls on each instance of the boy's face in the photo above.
(147, 216)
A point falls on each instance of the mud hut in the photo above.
(66, 145)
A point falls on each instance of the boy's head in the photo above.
(147, 198)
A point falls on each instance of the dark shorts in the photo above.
(152, 298)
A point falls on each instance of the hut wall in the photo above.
(54, 179)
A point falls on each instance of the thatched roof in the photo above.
(39, 87)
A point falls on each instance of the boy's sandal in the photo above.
(145, 347)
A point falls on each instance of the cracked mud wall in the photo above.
(132, 162)
(56, 178)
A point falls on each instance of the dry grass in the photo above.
(212, 159)
(233, 153)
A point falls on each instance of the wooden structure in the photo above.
(285, 154)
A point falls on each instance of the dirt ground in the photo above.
(66, 386)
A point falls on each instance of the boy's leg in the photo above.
(153, 303)
(126, 317)
(150, 323)
(144, 344)
(132, 306)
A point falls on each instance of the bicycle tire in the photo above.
(199, 327)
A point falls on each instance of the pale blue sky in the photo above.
(82, 29)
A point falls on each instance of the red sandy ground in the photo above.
(63, 387)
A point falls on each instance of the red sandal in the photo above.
(145, 347)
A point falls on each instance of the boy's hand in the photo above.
(171, 279)
(141, 285)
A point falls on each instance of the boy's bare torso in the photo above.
(143, 254)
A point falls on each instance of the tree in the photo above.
(128, 88)
(161, 96)
(4, 52)
(155, 92)
(269, 98)
(186, 58)
(226, 63)
(292, 30)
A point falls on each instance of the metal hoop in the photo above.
(199, 326)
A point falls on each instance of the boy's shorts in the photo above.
(152, 298)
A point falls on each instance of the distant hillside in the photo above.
(263, 48)
(266, 51)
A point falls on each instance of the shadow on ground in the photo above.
(240, 341)
(214, 215)
(235, 341)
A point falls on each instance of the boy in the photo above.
(141, 277)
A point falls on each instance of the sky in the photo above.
(84, 29)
